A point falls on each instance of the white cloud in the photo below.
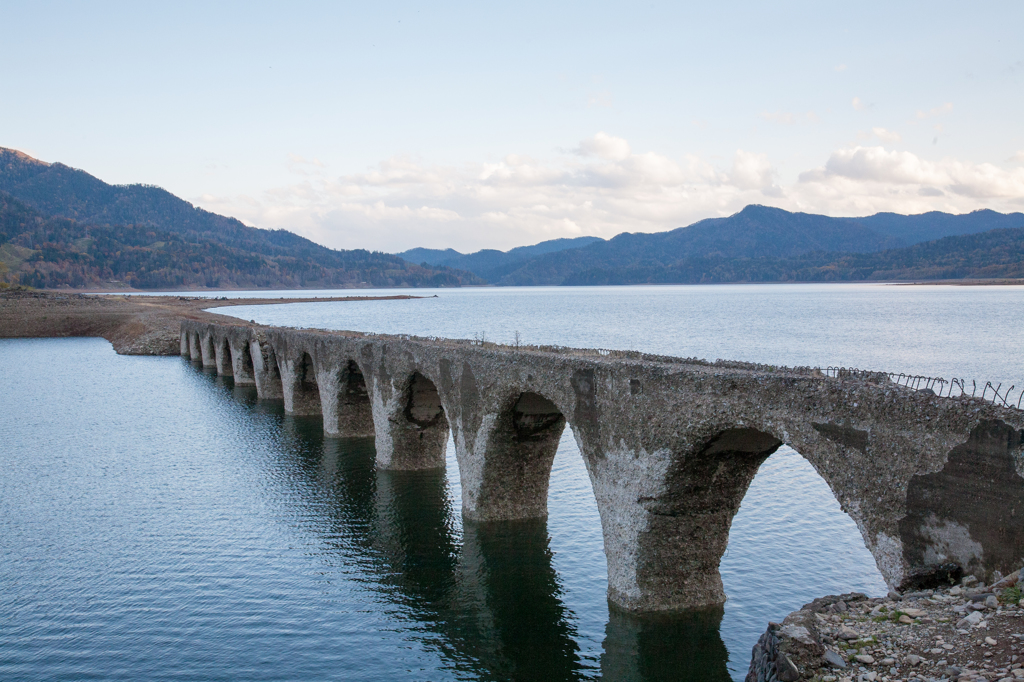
(1018, 157)
(858, 104)
(889, 171)
(751, 171)
(605, 146)
(603, 188)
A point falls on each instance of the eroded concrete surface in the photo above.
(671, 445)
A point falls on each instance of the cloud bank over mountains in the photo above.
(602, 187)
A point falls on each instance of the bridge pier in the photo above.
(241, 362)
(194, 350)
(684, 529)
(206, 350)
(266, 372)
(411, 429)
(299, 385)
(345, 402)
(516, 465)
(222, 358)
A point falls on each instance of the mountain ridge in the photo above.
(491, 264)
(755, 232)
(168, 238)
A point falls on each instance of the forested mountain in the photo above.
(492, 264)
(924, 227)
(63, 227)
(994, 254)
(757, 233)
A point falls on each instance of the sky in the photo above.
(388, 126)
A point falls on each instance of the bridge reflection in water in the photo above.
(484, 596)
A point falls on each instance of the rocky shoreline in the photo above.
(961, 630)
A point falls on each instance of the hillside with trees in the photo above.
(997, 254)
(750, 246)
(61, 227)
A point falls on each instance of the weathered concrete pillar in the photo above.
(266, 372)
(671, 557)
(194, 348)
(222, 358)
(345, 402)
(206, 346)
(298, 382)
(241, 362)
(184, 344)
(410, 428)
(521, 443)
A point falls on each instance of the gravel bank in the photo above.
(964, 631)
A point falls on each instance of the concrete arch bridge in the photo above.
(670, 444)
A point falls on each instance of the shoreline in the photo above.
(134, 325)
(995, 282)
(957, 630)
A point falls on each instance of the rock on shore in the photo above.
(966, 631)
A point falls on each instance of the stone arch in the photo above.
(687, 524)
(301, 390)
(520, 450)
(416, 433)
(346, 402)
(223, 359)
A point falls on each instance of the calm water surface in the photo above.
(157, 522)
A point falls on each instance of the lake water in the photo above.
(159, 523)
